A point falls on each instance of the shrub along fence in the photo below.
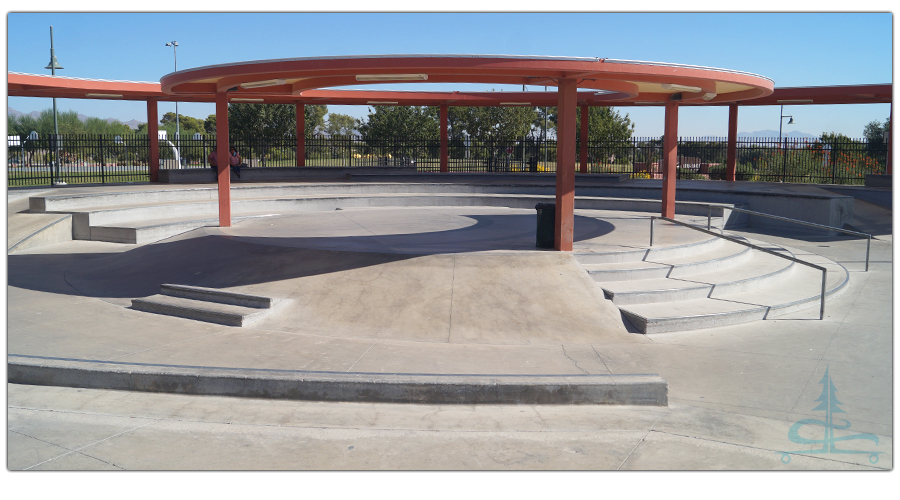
(105, 159)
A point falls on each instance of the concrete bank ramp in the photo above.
(474, 298)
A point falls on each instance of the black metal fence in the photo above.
(105, 159)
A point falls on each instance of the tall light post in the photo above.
(53, 66)
(783, 142)
(781, 121)
(174, 46)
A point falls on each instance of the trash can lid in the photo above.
(545, 206)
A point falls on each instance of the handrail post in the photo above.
(652, 219)
(868, 244)
(708, 217)
(822, 307)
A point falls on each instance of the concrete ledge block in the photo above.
(880, 181)
(649, 389)
(215, 295)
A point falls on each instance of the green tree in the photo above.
(504, 123)
(389, 122)
(607, 125)
(338, 124)
(209, 125)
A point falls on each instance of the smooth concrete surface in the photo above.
(734, 392)
(56, 428)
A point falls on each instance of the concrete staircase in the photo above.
(207, 304)
(710, 283)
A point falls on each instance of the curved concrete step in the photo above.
(723, 256)
(761, 270)
(653, 253)
(799, 291)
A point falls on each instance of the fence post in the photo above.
(102, 161)
(784, 160)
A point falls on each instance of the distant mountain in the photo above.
(133, 124)
(774, 133)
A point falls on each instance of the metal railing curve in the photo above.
(778, 217)
(751, 245)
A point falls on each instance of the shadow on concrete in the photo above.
(217, 261)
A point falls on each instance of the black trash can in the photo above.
(546, 223)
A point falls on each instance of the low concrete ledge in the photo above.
(357, 175)
(648, 389)
(879, 181)
(273, 174)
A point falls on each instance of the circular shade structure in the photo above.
(302, 79)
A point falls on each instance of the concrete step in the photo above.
(800, 290)
(200, 310)
(216, 295)
(651, 253)
(722, 256)
(760, 271)
(141, 232)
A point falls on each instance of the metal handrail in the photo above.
(751, 245)
(868, 236)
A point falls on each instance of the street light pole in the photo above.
(783, 142)
(53, 66)
(174, 46)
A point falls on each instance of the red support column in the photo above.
(153, 139)
(223, 158)
(301, 134)
(670, 159)
(445, 141)
(585, 121)
(565, 166)
(732, 142)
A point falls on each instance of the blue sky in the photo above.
(793, 49)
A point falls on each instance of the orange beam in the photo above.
(223, 158)
(153, 139)
(670, 155)
(565, 166)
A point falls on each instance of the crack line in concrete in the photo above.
(761, 448)
(78, 450)
(642, 439)
(361, 356)
(572, 360)
(601, 359)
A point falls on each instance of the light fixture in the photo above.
(387, 78)
(382, 103)
(709, 96)
(245, 99)
(515, 104)
(681, 88)
(103, 95)
(263, 83)
(793, 101)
